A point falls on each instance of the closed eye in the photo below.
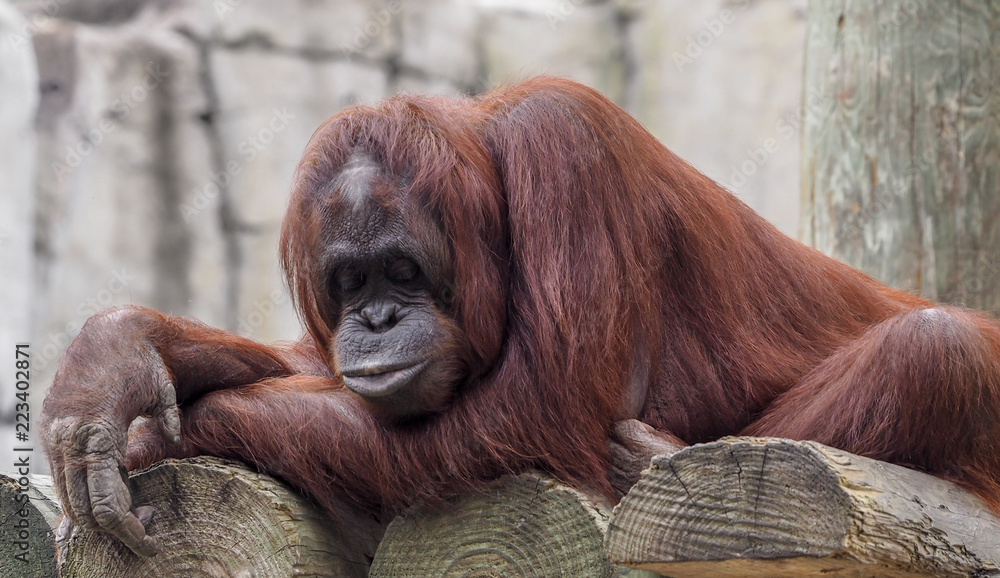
(349, 279)
(402, 270)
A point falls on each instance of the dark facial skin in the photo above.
(388, 287)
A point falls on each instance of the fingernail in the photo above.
(65, 528)
(149, 548)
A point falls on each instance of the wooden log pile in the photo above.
(770, 507)
(735, 507)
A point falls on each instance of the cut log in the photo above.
(526, 525)
(217, 518)
(769, 507)
(29, 516)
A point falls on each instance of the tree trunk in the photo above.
(901, 144)
(217, 518)
(772, 508)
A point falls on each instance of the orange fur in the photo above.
(585, 253)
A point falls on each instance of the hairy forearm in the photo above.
(304, 429)
(202, 358)
(320, 437)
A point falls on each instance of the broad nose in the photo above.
(381, 316)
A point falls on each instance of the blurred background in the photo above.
(148, 146)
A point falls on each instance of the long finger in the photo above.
(642, 438)
(92, 443)
(169, 421)
(63, 534)
(111, 504)
(65, 529)
(77, 493)
(165, 411)
(56, 446)
(57, 470)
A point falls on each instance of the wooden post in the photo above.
(29, 517)
(772, 508)
(901, 144)
(217, 518)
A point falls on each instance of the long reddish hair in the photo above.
(586, 257)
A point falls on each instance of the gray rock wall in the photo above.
(18, 101)
(167, 131)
